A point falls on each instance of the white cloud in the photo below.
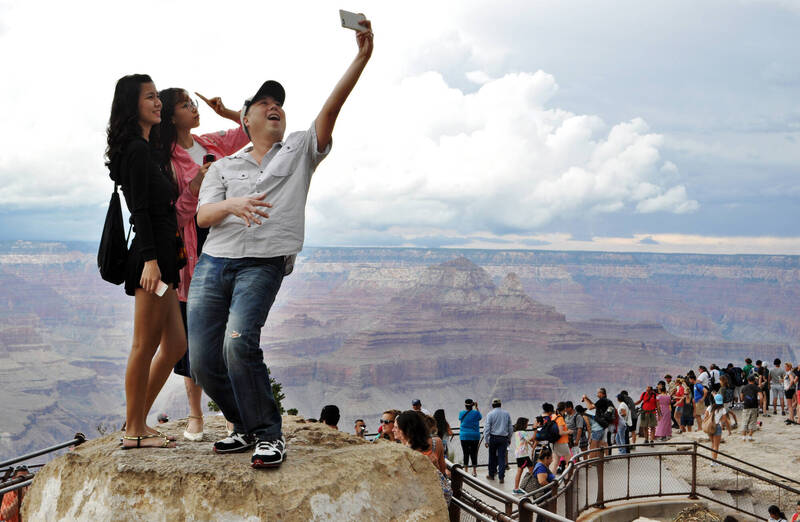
(497, 160)
(673, 200)
(479, 77)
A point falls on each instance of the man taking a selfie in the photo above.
(254, 202)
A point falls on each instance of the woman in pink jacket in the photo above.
(186, 157)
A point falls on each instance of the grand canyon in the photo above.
(371, 328)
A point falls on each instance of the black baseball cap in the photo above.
(268, 88)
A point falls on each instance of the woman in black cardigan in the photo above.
(155, 254)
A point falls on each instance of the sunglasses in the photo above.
(384, 421)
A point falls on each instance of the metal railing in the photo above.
(652, 471)
(7, 466)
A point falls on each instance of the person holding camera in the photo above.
(360, 428)
(248, 252)
(187, 157)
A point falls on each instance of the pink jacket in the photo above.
(220, 144)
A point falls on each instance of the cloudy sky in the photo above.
(637, 126)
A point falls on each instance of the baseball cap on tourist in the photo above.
(268, 88)
(718, 398)
(416, 402)
(495, 402)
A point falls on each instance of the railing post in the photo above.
(693, 493)
(569, 497)
(600, 478)
(525, 515)
(552, 504)
(456, 482)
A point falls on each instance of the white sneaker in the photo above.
(269, 453)
(714, 464)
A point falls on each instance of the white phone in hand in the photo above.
(350, 20)
(161, 288)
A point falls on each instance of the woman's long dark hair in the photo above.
(521, 424)
(170, 98)
(441, 423)
(414, 428)
(123, 124)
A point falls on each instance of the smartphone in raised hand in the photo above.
(209, 158)
(350, 20)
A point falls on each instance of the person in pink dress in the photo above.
(664, 426)
(188, 156)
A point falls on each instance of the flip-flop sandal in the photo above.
(139, 439)
(162, 434)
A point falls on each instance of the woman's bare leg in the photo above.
(173, 346)
(150, 314)
(194, 394)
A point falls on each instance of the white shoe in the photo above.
(714, 464)
(194, 437)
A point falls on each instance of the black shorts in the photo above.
(789, 394)
(524, 462)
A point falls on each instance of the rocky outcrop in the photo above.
(328, 476)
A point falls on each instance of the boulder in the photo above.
(328, 475)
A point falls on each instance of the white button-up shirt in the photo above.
(285, 175)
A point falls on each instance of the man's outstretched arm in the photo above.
(330, 111)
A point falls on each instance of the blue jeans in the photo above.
(228, 303)
(622, 438)
(498, 448)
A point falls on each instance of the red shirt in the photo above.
(648, 402)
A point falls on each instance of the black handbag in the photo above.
(112, 256)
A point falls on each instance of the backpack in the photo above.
(709, 396)
(112, 255)
(727, 395)
(549, 432)
(737, 376)
(607, 417)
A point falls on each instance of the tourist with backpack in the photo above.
(714, 419)
(583, 443)
(576, 426)
(559, 440)
(155, 255)
(649, 416)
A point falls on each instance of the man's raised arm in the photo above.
(330, 111)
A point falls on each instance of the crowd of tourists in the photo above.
(704, 399)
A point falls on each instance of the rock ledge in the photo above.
(328, 475)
